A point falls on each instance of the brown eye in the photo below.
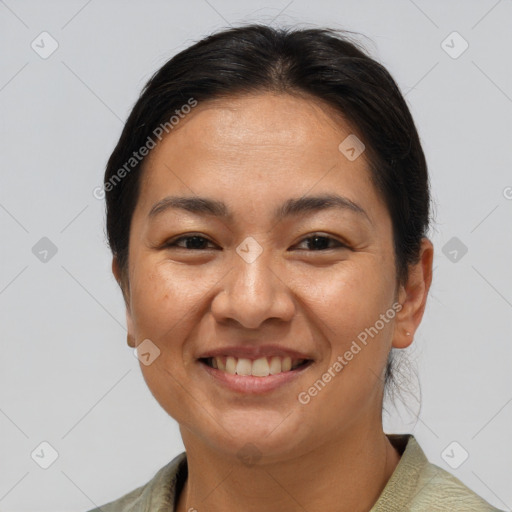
(322, 243)
(191, 242)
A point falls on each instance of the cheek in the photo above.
(348, 306)
(348, 299)
(168, 385)
(164, 296)
(348, 310)
(164, 309)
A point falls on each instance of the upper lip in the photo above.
(254, 352)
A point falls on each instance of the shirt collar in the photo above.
(160, 494)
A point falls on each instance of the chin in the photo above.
(258, 436)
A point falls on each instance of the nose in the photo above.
(253, 293)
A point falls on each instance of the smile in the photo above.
(261, 367)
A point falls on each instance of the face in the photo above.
(237, 280)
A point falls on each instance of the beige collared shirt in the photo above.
(416, 485)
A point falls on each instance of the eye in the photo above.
(192, 242)
(321, 242)
(197, 243)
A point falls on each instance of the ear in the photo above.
(413, 297)
(130, 338)
(116, 270)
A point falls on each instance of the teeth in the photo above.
(230, 365)
(275, 365)
(243, 367)
(261, 367)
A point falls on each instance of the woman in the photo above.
(267, 209)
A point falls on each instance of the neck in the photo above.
(346, 475)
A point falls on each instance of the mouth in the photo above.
(254, 370)
(262, 367)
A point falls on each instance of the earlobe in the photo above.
(115, 270)
(130, 339)
(402, 338)
(414, 297)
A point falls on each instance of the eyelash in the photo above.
(173, 243)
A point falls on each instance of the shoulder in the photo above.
(439, 490)
(417, 485)
(156, 495)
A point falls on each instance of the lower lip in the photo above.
(250, 384)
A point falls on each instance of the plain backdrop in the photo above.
(68, 377)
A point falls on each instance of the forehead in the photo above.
(259, 121)
(256, 147)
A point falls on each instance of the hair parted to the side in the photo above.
(323, 63)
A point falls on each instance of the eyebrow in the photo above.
(292, 207)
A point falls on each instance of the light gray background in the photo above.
(67, 374)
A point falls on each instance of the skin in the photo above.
(254, 152)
